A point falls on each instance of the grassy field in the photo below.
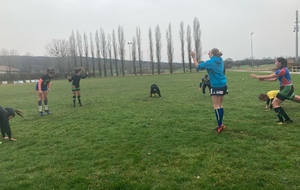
(122, 139)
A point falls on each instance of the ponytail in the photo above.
(216, 52)
(20, 113)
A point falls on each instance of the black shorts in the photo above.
(218, 91)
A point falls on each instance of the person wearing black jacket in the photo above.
(204, 83)
(154, 90)
(75, 84)
(5, 115)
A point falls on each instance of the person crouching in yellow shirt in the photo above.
(268, 97)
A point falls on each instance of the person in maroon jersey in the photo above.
(43, 87)
(286, 90)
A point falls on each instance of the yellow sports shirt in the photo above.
(272, 94)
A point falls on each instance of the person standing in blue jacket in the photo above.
(216, 71)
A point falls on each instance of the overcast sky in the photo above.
(28, 25)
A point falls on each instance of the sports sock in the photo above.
(40, 106)
(74, 100)
(286, 117)
(221, 113)
(79, 100)
(217, 112)
(46, 104)
(278, 113)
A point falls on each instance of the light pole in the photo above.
(251, 51)
(129, 43)
(296, 29)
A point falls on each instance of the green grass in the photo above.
(122, 139)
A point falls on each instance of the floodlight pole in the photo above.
(296, 29)
(129, 43)
(252, 50)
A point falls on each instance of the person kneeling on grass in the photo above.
(204, 83)
(5, 115)
(286, 91)
(154, 90)
(268, 97)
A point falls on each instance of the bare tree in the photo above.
(134, 54)
(109, 54)
(197, 39)
(97, 41)
(170, 49)
(151, 50)
(139, 44)
(86, 51)
(79, 47)
(115, 49)
(73, 50)
(158, 45)
(4, 52)
(60, 49)
(29, 63)
(189, 45)
(92, 47)
(181, 35)
(121, 47)
(9, 56)
(103, 46)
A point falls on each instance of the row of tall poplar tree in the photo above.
(106, 49)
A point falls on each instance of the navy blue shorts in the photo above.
(44, 87)
(218, 91)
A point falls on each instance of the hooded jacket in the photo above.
(4, 121)
(215, 70)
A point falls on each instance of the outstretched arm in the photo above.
(268, 104)
(70, 78)
(83, 77)
(194, 59)
(271, 77)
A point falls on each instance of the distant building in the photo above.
(5, 69)
(290, 62)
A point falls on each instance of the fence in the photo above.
(295, 69)
(19, 81)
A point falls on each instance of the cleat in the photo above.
(74, 106)
(279, 122)
(288, 121)
(48, 112)
(221, 128)
(41, 113)
(80, 104)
